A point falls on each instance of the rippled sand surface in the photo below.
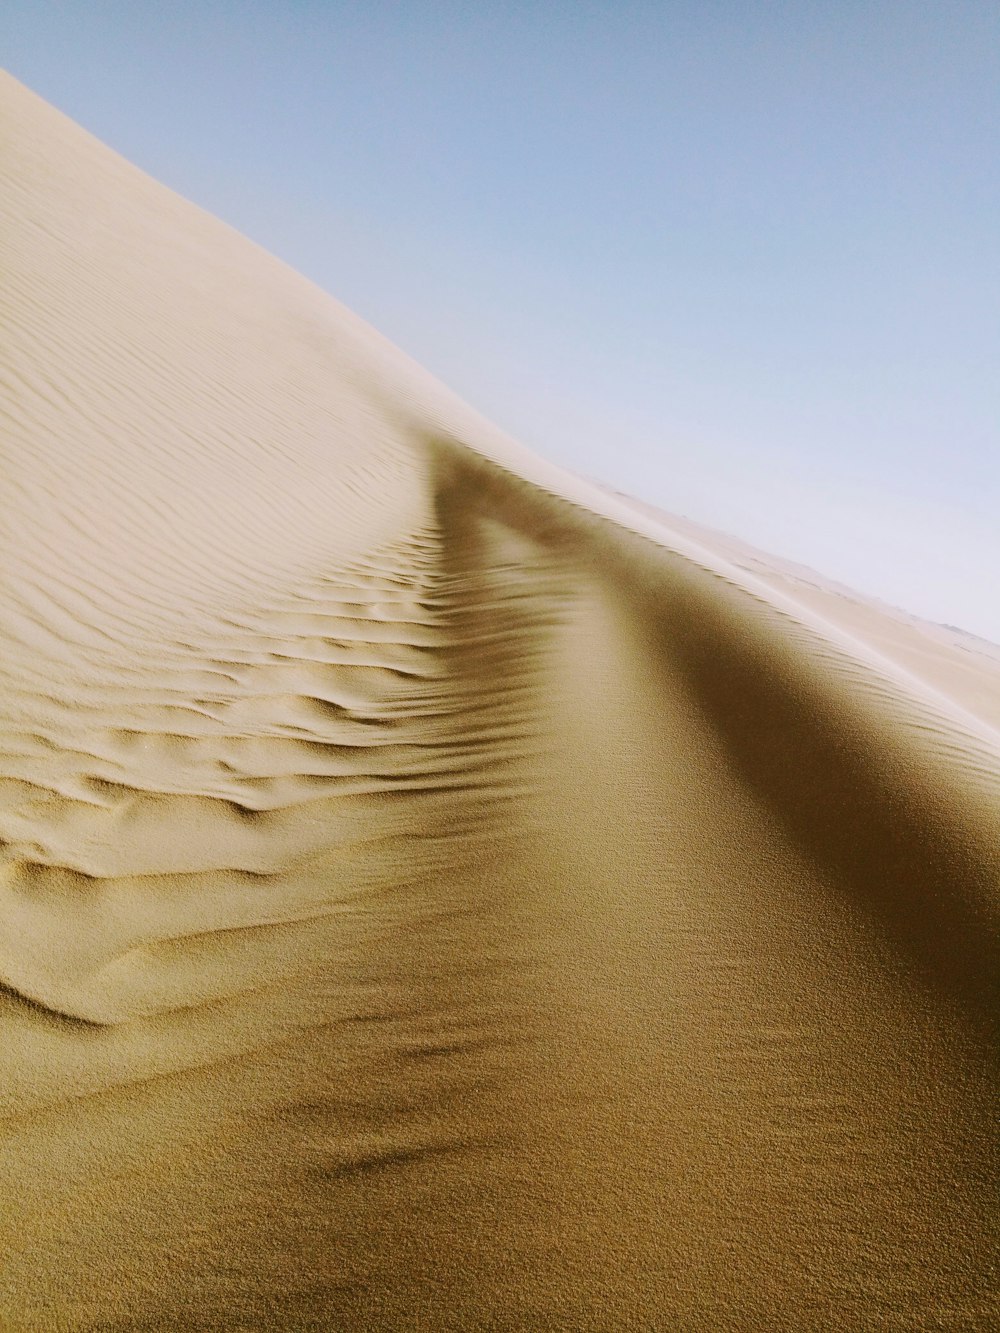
(436, 893)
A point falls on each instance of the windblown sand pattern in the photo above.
(437, 893)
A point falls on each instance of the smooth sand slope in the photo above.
(436, 893)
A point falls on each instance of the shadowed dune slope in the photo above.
(436, 893)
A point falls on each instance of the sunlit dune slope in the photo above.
(436, 893)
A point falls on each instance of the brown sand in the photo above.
(437, 893)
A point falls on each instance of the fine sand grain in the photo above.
(437, 893)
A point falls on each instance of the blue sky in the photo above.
(740, 259)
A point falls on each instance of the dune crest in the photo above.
(436, 892)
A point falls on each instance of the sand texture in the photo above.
(437, 893)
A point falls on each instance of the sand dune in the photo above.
(435, 892)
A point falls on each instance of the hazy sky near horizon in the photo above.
(741, 260)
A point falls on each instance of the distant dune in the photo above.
(437, 893)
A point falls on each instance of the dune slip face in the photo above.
(435, 892)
